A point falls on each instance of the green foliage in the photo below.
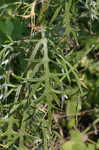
(49, 75)
(77, 142)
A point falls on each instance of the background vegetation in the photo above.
(49, 75)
